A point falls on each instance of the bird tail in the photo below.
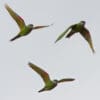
(43, 89)
(16, 37)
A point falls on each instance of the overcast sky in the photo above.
(67, 58)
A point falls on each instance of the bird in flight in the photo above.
(49, 84)
(78, 28)
(24, 29)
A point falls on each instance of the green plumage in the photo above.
(24, 29)
(79, 27)
(49, 84)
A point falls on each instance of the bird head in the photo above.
(82, 23)
(55, 81)
(31, 26)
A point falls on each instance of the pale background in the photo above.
(68, 58)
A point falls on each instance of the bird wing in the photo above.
(62, 34)
(43, 26)
(16, 17)
(66, 80)
(41, 72)
(86, 34)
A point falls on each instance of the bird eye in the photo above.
(31, 25)
(83, 22)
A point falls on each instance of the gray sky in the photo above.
(68, 58)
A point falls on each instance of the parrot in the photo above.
(78, 28)
(49, 84)
(24, 29)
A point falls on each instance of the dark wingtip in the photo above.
(55, 41)
(6, 5)
(93, 51)
(72, 79)
(29, 63)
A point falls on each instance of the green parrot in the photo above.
(24, 29)
(49, 84)
(79, 27)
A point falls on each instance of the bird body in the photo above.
(26, 30)
(77, 27)
(49, 86)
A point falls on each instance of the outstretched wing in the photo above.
(40, 71)
(62, 34)
(43, 26)
(86, 34)
(66, 80)
(16, 17)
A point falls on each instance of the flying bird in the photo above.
(49, 84)
(78, 28)
(24, 29)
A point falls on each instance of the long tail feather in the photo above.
(16, 37)
(41, 90)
